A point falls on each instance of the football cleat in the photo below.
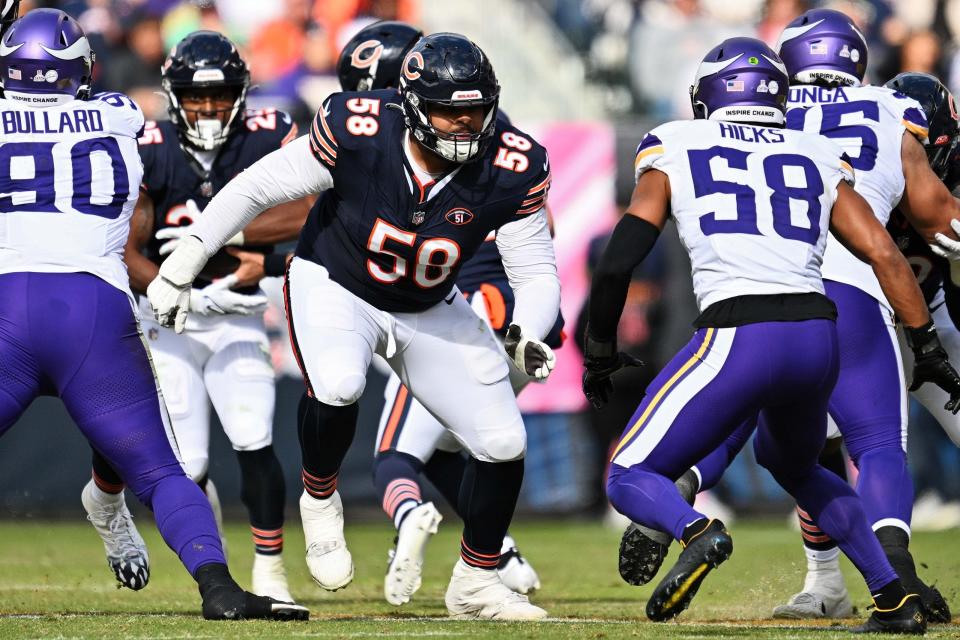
(270, 578)
(480, 594)
(223, 599)
(515, 571)
(126, 551)
(935, 607)
(906, 618)
(705, 552)
(824, 594)
(808, 605)
(328, 559)
(642, 551)
(406, 561)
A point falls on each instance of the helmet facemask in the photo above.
(454, 147)
(205, 114)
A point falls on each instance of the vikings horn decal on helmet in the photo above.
(202, 60)
(372, 58)
(448, 69)
(824, 47)
(9, 12)
(45, 59)
(740, 80)
(938, 105)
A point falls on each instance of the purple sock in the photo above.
(839, 513)
(186, 522)
(885, 485)
(649, 499)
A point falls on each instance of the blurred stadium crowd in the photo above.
(638, 55)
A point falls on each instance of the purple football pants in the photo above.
(778, 375)
(75, 336)
(869, 406)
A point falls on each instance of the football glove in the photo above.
(602, 360)
(173, 235)
(218, 299)
(931, 363)
(169, 293)
(531, 356)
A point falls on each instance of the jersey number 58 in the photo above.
(427, 271)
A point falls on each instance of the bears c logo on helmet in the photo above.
(411, 71)
(373, 49)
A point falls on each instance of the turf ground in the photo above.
(54, 583)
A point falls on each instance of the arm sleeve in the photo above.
(288, 173)
(527, 251)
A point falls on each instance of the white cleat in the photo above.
(126, 551)
(328, 559)
(824, 594)
(515, 572)
(807, 605)
(270, 578)
(479, 593)
(406, 561)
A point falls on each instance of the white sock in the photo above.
(405, 507)
(105, 499)
(817, 558)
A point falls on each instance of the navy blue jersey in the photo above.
(392, 241)
(932, 271)
(171, 176)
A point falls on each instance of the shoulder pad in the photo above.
(125, 117)
(273, 124)
(351, 121)
(522, 164)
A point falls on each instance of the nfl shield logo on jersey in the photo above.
(418, 217)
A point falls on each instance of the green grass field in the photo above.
(54, 583)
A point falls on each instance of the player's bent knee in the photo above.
(344, 391)
(505, 446)
(196, 468)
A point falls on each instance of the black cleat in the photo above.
(934, 606)
(704, 552)
(642, 551)
(906, 618)
(224, 604)
(223, 599)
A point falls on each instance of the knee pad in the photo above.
(505, 446)
(345, 390)
(498, 434)
(196, 468)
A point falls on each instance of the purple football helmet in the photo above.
(823, 47)
(45, 59)
(740, 80)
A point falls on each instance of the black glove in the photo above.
(602, 360)
(931, 363)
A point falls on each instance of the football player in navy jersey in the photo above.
(223, 357)
(410, 441)
(412, 184)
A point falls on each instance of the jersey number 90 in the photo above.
(30, 177)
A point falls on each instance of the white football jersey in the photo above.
(69, 178)
(868, 123)
(752, 204)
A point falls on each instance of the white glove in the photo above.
(173, 235)
(169, 293)
(531, 356)
(218, 299)
(950, 249)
